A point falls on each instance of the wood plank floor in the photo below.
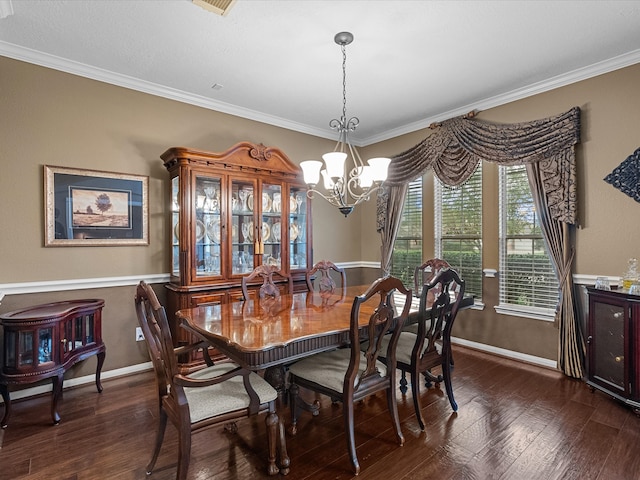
(515, 421)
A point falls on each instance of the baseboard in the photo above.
(522, 357)
(74, 382)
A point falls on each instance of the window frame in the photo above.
(503, 307)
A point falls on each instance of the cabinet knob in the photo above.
(618, 314)
(619, 358)
(589, 338)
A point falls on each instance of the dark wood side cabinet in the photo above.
(44, 341)
(613, 344)
(230, 212)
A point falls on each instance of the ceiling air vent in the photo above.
(221, 7)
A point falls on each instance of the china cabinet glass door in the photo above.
(175, 226)
(271, 225)
(298, 228)
(243, 227)
(208, 227)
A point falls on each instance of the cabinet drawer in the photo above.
(198, 300)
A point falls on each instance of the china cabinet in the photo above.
(613, 344)
(231, 212)
(44, 341)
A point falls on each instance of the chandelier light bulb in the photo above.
(311, 171)
(379, 166)
(334, 162)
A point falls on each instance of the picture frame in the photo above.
(93, 208)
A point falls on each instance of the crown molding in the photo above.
(57, 63)
(568, 78)
(94, 73)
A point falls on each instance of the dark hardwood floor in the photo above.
(515, 421)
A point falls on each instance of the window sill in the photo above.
(543, 314)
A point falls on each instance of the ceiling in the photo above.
(411, 62)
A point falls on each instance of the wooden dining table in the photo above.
(262, 333)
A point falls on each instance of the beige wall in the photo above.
(50, 117)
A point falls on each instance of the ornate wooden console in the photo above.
(44, 341)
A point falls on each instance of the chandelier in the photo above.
(342, 190)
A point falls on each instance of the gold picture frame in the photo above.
(93, 208)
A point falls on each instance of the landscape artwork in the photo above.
(100, 208)
(92, 208)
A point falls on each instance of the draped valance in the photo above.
(454, 150)
(546, 146)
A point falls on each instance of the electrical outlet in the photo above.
(139, 335)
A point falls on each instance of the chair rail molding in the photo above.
(79, 284)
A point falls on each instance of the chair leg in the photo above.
(295, 408)
(347, 412)
(184, 453)
(392, 404)
(415, 391)
(446, 373)
(162, 426)
(272, 422)
(403, 382)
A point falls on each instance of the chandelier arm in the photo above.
(358, 197)
(355, 156)
(331, 198)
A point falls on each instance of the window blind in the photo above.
(458, 229)
(527, 277)
(407, 250)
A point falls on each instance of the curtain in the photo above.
(389, 210)
(454, 150)
(571, 345)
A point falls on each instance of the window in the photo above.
(407, 251)
(458, 229)
(528, 283)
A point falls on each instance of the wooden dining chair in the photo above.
(418, 353)
(348, 375)
(269, 288)
(214, 395)
(325, 282)
(427, 272)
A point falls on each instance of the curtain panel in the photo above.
(454, 151)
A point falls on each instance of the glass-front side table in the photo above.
(44, 341)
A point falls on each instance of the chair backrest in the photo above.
(381, 322)
(427, 272)
(325, 282)
(268, 287)
(155, 328)
(436, 316)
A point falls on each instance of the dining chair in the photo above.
(348, 375)
(268, 287)
(418, 353)
(325, 282)
(427, 272)
(213, 395)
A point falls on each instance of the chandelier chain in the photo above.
(344, 86)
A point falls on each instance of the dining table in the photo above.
(269, 333)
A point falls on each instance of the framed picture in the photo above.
(88, 208)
